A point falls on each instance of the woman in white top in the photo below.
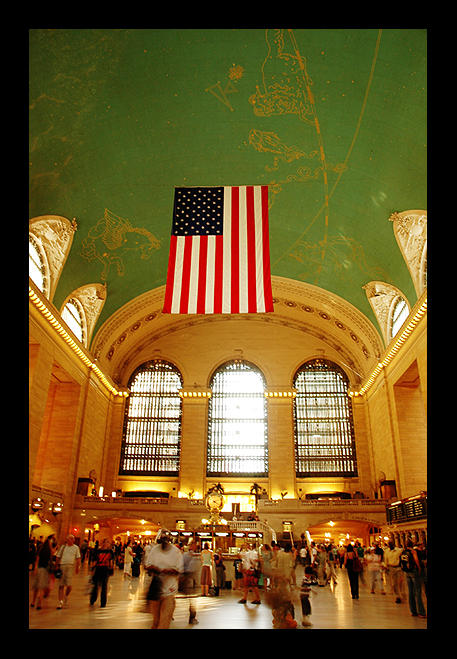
(206, 578)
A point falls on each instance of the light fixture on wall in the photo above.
(38, 503)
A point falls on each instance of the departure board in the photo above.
(406, 510)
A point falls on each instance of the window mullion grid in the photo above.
(147, 429)
(322, 400)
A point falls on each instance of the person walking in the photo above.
(361, 554)
(321, 564)
(220, 571)
(350, 562)
(266, 557)
(84, 548)
(331, 559)
(190, 567)
(164, 563)
(410, 564)
(394, 573)
(206, 575)
(373, 561)
(68, 558)
(102, 566)
(250, 567)
(41, 572)
(128, 560)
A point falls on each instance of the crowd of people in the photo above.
(269, 572)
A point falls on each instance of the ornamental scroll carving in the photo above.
(92, 298)
(410, 229)
(381, 296)
(55, 234)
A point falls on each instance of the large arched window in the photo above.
(152, 425)
(38, 265)
(399, 312)
(73, 315)
(324, 433)
(237, 423)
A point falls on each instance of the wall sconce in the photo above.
(57, 508)
(38, 503)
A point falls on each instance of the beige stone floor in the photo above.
(332, 608)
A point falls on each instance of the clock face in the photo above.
(214, 500)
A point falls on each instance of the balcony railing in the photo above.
(267, 505)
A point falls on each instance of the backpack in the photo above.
(407, 562)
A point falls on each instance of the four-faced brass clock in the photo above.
(214, 501)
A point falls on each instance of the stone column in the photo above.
(281, 455)
(194, 434)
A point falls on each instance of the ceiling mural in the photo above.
(332, 120)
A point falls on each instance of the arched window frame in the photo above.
(398, 313)
(54, 234)
(151, 438)
(383, 298)
(90, 300)
(323, 423)
(43, 266)
(225, 458)
(73, 315)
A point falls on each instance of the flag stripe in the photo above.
(218, 273)
(185, 282)
(268, 296)
(235, 242)
(243, 245)
(251, 251)
(202, 278)
(177, 284)
(223, 266)
(194, 274)
(170, 276)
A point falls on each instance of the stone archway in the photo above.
(335, 530)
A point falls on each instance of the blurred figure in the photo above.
(206, 575)
(128, 560)
(103, 565)
(190, 567)
(350, 557)
(394, 572)
(220, 571)
(41, 571)
(410, 564)
(373, 563)
(250, 566)
(321, 564)
(164, 563)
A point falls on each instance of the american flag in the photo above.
(219, 259)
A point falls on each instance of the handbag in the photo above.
(57, 572)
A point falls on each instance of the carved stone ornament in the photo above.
(381, 296)
(55, 234)
(410, 229)
(92, 298)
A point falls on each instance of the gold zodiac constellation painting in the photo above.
(113, 238)
(344, 254)
(221, 93)
(284, 90)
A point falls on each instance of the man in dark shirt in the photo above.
(103, 565)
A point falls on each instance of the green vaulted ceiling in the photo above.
(333, 120)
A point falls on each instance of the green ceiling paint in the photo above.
(334, 121)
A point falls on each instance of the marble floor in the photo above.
(332, 608)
